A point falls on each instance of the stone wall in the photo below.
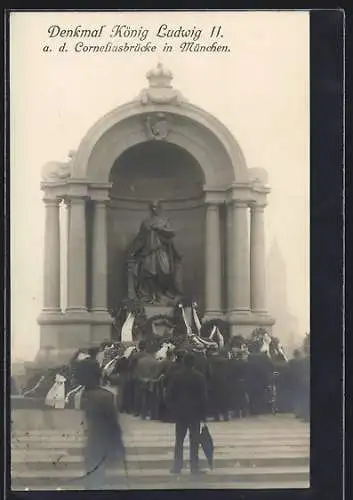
(34, 419)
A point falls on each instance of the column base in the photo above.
(262, 312)
(50, 316)
(61, 334)
(77, 314)
(213, 315)
(101, 316)
(245, 322)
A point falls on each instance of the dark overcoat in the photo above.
(186, 396)
(104, 437)
(219, 377)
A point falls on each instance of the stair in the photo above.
(263, 452)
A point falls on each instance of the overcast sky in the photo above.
(259, 90)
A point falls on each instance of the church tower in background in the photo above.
(286, 326)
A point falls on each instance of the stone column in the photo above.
(76, 282)
(230, 263)
(240, 270)
(257, 259)
(51, 285)
(99, 262)
(213, 260)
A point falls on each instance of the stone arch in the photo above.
(191, 128)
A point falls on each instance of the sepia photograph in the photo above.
(160, 281)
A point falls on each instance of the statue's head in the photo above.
(155, 207)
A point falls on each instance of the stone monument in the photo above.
(215, 201)
(154, 264)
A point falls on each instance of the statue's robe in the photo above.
(156, 258)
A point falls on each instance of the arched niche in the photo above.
(164, 171)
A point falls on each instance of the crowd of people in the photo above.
(242, 378)
(238, 383)
(174, 382)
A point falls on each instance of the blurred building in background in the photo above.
(286, 327)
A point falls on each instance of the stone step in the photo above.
(240, 485)
(146, 438)
(155, 454)
(137, 428)
(158, 462)
(166, 437)
(138, 450)
(219, 436)
(136, 477)
(154, 428)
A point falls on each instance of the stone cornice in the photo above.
(258, 188)
(134, 204)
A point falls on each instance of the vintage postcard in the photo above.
(160, 332)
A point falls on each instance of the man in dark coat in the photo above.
(133, 368)
(104, 438)
(218, 385)
(186, 397)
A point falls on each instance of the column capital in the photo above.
(99, 191)
(214, 207)
(213, 197)
(239, 203)
(100, 198)
(51, 201)
(75, 200)
(100, 203)
(258, 207)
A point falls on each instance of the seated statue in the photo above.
(154, 261)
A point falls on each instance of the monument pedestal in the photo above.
(159, 310)
(61, 334)
(245, 322)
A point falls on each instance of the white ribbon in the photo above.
(82, 356)
(163, 351)
(188, 328)
(73, 391)
(76, 391)
(107, 370)
(126, 331)
(100, 358)
(212, 332)
(281, 351)
(129, 350)
(196, 318)
(56, 395)
(215, 331)
(35, 387)
(220, 339)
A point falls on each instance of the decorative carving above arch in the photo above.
(157, 126)
(160, 89)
